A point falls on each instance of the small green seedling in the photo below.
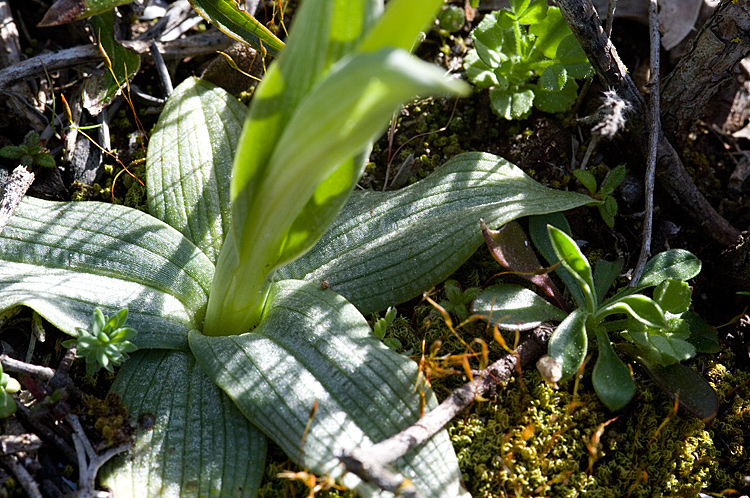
(526, 56)
(459, 302)
(29, 152)
(382, 325)
(8, 386)
(659, 330)
(608, 208)
(107, 344)
(451, 19)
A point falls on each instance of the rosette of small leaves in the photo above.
(659, 331)
(8, 385)
(608, 208)
(526, 56)
(107, 344)
(29, 152)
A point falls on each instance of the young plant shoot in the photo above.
(660, 330)
(250, 210)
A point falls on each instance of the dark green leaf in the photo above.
(11, 152)
(613, 180)
(605, 273)
(586, 178)
(702, 336)
(512, 307)
(568, 344)
(553, 79)
(554, 101)
(608, 210)
(676, 263)
(681, 382)
(44, 160)
(611, 377)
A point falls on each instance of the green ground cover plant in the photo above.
(660, 331)
(526, 56)
(251, 211)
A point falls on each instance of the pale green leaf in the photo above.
(673, 296)
(314, 348)
(65, 259)
(512, 307)
(642, 308)
(549, 32)
(401, 24)
(511, 104)
(238, 24)
(191, 441)
(189, 162)
(387, 247)
(568, 344)
(571, 257)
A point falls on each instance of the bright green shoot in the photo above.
(8, 386)
(106, 344)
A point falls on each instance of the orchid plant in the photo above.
(250, 211)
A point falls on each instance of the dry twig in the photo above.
(653, 138)
(370, 463)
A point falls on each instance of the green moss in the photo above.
(528, 444)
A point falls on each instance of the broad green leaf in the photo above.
(572, 56)
(571, 257)
(549, 32)
(313, 348)
(663, 346)
(605, 273)
(401, 24)
(98, 91)
(65, 259)
(568, 344)
(642, 308)
(673, 296)
(676, 263)
(189, 162)
(190, 439)
(683, 383)
(65, 11)
(331, 125)
(532, 13)
(540, 238)
(511, 104)
(512, 307)
(239, 24)
(611, 377)
(553, 101)
(387, 247)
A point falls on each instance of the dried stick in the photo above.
(369, 464)
(12, 192)
(25, 479)
(655, 129)
(205, 43)
(671, 174)
(610, 16)
(709, 63)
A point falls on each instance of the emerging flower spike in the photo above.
(107, 344)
